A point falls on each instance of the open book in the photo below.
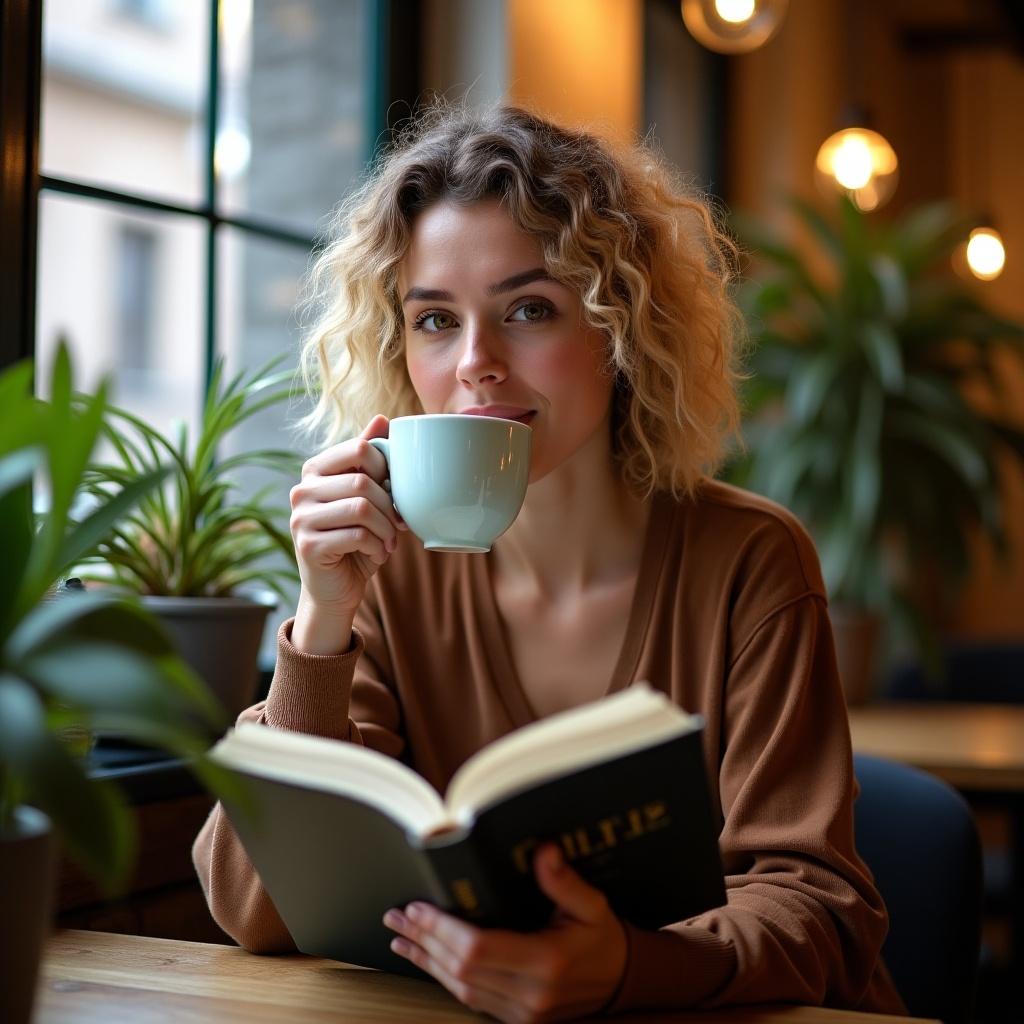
(338, 833)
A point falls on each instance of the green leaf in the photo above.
(809, 386)
(927, 236)
(864, 476)
(84, 637)
(882, 348)
(92, 818)
(105, 677)
(946, 441)
(16, 530)
(780, 476)
(91, 615)
(181, 538)
(892, 285)
(24, 419)
(83, 539)
(767, 246)
(826, 234)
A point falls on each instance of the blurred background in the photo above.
(190, 154)
(187, 172)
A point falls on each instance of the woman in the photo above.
(504, 266)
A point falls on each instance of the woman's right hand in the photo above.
(343, 523)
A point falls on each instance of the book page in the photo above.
(334, 766)
(634, 719)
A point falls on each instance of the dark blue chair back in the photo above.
(919, 838)
(972, 671)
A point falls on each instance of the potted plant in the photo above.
(198, 551)
(83, 661)
(859, 418)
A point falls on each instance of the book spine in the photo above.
(462, 885)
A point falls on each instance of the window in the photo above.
(171, 164)
(189, 153)
(151, 13)
(134, 280)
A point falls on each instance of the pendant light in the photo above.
(733, 26)
(985, 253)
(856, 159)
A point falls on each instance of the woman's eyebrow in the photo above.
(416, 294)
(518, 280)
(427, 295)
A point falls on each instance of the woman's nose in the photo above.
(481, 359)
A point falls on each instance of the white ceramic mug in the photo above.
(458, 481)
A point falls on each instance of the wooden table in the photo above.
(979, 749)
(975, 747)
(109, 979)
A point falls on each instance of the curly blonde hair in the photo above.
(648, 258)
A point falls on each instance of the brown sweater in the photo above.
(729, 619)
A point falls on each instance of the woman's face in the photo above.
(488, 332)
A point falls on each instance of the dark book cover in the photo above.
(639, 827)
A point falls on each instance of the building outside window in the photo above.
(166, 241)
(134, 282)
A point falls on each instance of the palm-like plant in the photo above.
(86, 660)
(193, 536)
(859, 416)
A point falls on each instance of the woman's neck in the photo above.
(579, 527)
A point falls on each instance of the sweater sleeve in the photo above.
(803, 922)
(343, 697)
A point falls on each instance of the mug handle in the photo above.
(383, 446)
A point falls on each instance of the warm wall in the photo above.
(942, 112)
(987, 169)
(464, 50)
(579, 61)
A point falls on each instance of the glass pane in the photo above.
(259, 287)
(124, 94)
(292, 134)
(126, 290)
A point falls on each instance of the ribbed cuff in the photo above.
(672, 969)
(310, 692)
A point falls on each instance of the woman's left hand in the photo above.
(569, 969)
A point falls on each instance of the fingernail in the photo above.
(414, 911)
(393, 919)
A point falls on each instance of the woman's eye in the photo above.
(433, 322)
(531, 311)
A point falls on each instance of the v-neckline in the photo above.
(499, 651)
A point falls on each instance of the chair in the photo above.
(918, 837)
(982, 672)
(971, 671)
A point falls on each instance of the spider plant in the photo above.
(196, 535)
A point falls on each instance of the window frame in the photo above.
(20, 67)
(391, 84)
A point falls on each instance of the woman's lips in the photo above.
(504, 412)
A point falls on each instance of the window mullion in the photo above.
(212, 113)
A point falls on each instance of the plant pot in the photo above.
(28, 861)
(219, 637)
(857, 633)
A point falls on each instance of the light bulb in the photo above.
(986, 255)
(733, 26)
(859, 162)
(735, 11)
